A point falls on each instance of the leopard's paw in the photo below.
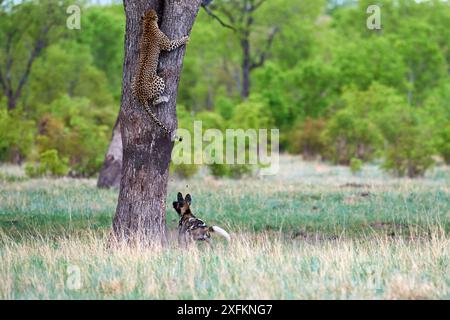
(161, 100)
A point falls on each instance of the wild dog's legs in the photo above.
(208, 241)
(181, 238)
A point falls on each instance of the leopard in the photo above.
(147, 86)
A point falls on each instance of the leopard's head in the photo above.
(150, 16)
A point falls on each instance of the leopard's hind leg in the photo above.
(158, 86)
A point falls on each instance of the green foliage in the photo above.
(252, 114)
(326, 81)
(219, 170)
(410, 144)
(306, 138)
(348, 135)
(67, 69)
(103, 29)
(271, 86)
(368, 106)
(355, 165)
(443, 145)
(184, 171)
(225, 107)
(77, 130)
(17, 135)
(436, 110)
(49, 164)
(311, 88)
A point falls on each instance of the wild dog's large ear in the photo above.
(188, 199)
(180, 199)
(176, 206)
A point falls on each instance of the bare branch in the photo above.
(213, 15)
(39, 45)
(263, 55)
(2, 82)
(257, 5)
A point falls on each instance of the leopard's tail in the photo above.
(157, 121)
(221, 232)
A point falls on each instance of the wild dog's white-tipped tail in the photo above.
(222, 232)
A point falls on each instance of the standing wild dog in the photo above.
(191, 228)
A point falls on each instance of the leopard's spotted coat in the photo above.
(147, 86)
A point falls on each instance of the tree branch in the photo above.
(2, 82)
(257, 5)
(263, 55)
(39, 45)
(214, 16)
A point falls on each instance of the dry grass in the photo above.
(253, 266)
(391, 238)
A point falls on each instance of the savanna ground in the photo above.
(311, 232)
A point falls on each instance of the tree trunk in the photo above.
(141, 210)
(109, 176)
(11, 102)
(246, 65)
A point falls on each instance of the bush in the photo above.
(17, 136)
(225, 107)
(184, 170)
(306, 138)
(78, 131)
(49, 165)
(349, 136)
(410, 145)
(219, 170)
(233, 171)
(355, 165)
(252, 114)
(437, 110)
(443, 145)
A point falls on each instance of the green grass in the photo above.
(49, 207)
(313, 227)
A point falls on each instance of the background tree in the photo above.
(26, 29)
(239, 17)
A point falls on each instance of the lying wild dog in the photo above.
(191, 228)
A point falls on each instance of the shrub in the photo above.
(77, 131)
(49, 165)
(184, 170)
(443, 144)
(306, 138)
(225, 107)
(349, 136)
(410, 145)
(355, 165)
(219, 170)
(17, 136)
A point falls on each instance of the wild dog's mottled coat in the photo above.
(190, 227)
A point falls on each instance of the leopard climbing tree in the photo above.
(141, 209)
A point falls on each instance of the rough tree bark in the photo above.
(141, 210)
(110, 173)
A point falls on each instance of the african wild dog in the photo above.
(190, 227)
